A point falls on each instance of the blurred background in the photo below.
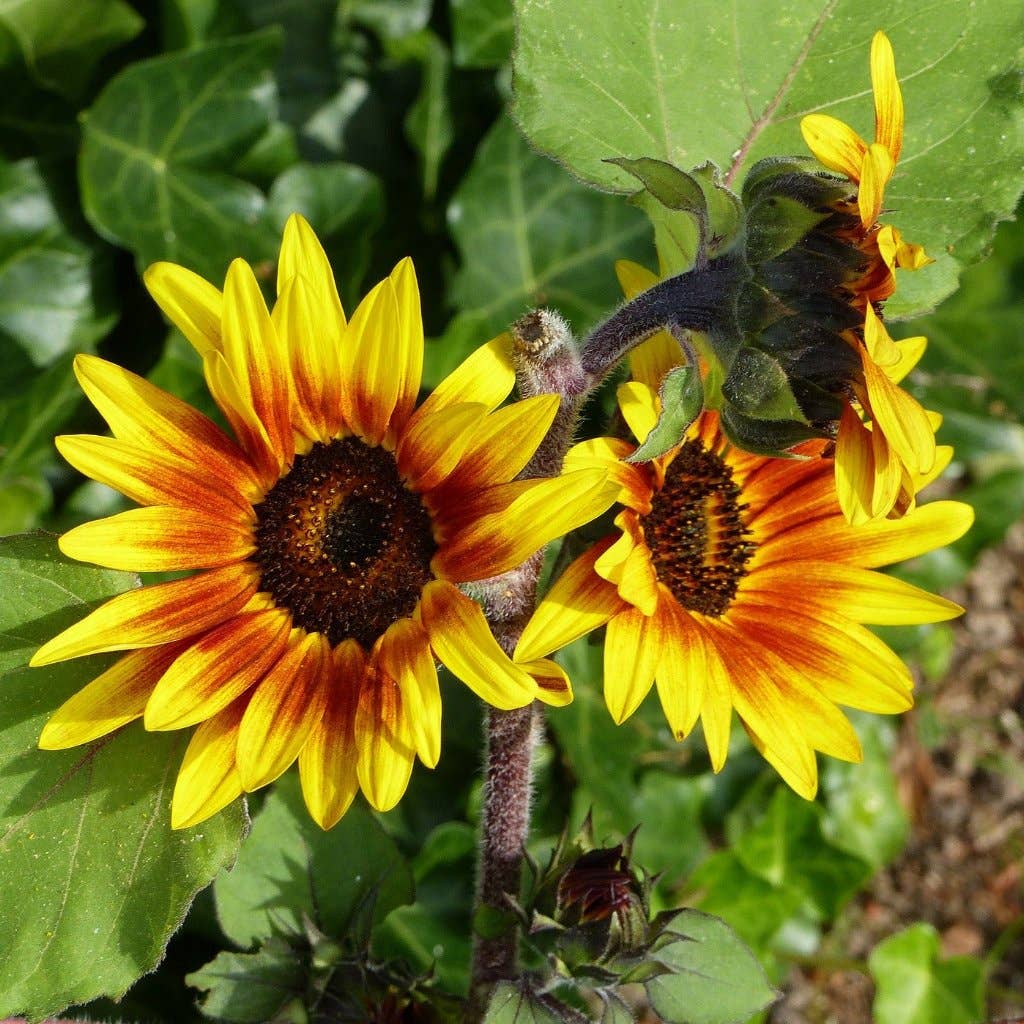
(189, 130)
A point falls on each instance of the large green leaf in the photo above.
(786, 848)
(715, 980)
(56, 277)
(27, 425)
(698, 80)
(345, 204)
(429, 124)
(158, 148)
(93, 882)
(529, 236)
(290, 868)
(251, 988)
(59, 44)
(913, 986)
(482, 32)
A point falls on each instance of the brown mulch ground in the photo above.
(962, 869)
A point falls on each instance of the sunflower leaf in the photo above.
(93, 882)
(715, 980)
(290, 869)
(915, 987)
(482, 31)
(640, 79)
(158, 147)
(529, 235)
(682, 398)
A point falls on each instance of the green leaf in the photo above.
(429, 124)
(786, 847)
(604, 757)
(250, 987)
(390, 19)
(93, 882)
(717, 981)
(482, 32)
(913, 986)
(345, 205)
(682, 398)
(289, 867)
(640, 79)
(515, 1004)
(56, 277)
(863, 813)
(529, 236)
(27, 425)
(179, 370)
(157, 151)
(59, 44)
(756, 909)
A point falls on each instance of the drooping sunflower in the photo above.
(886, 441)
(327, 540)
(735, 581)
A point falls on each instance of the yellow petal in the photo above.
(577, 604)
(111, 700)
(835, 144)
(682, 669)
(191, 303)
(888, 98)
(154, 615)
(854, 467)
(431, 449)
(634, 278)
(639, 406)
(546, 509)
(406, 657)
(284, 709)
(218, 668)
(208, 779)
(553, 686)
(462, 640)
(302, 255)
(374, 347)
(160, 539)
(633, 646)
(407, 359)
(384, 742)
(876, 170)
(327, 762)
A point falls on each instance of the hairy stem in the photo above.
(511, 737)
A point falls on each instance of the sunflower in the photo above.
(735, 581)
(327, 540)
(886, 445)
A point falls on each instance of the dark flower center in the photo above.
(342, 543)
(699, 542)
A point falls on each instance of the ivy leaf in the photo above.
(59, 44)
(157, 147)
(250, 988)
(27, 425)
(639, 80)
(913, 986)
(345, 205)
(428, 124)
(786, 847)
(716, 979)
(56, 277)
(289, 867)
(528, 235)
(93, 882)
(482, 32)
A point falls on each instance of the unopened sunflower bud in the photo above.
(545, 355)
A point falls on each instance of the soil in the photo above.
(960, 764)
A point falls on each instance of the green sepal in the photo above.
(777, 223)
(694, 217)
(797, 177)
(764, 437)
(757, 386)
(682, 399)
